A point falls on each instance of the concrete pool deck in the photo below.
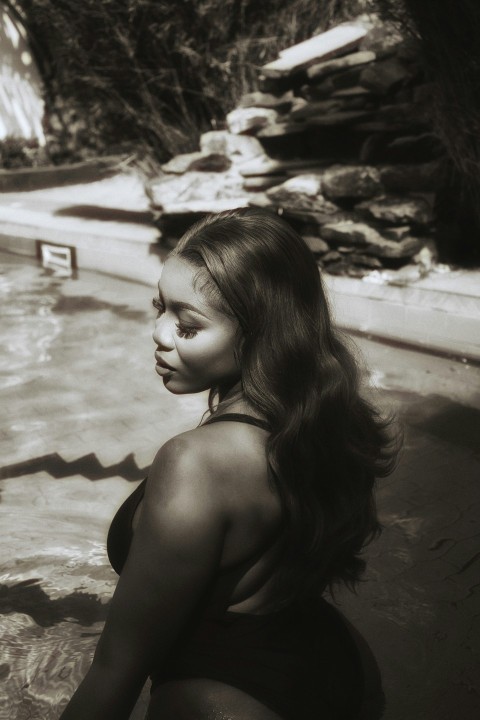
(109, 222)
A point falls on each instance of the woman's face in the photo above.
(195, 342)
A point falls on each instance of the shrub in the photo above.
(157, 73)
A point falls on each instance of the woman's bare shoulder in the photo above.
(212, 455)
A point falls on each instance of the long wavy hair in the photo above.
(327, 443)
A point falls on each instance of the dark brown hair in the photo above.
(327, 443)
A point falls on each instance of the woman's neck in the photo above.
(229, 393)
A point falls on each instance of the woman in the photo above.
(225, 550)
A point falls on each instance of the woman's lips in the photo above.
(162, 363)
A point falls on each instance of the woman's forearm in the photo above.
(103, 695)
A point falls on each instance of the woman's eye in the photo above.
(158, 305)
(185, 332)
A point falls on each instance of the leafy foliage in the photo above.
(156, 73)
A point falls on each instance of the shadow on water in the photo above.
(68, 305)
(105, 214)
(89, 466)
(27, 597)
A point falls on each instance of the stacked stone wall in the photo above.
(338, 140)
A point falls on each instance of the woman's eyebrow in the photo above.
(178, 305)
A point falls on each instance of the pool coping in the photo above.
(440, 313)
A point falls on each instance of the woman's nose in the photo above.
(162, 334)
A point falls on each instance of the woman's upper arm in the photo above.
(172, 561)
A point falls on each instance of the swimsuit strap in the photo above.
(241, 417)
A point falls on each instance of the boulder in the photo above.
(321, 70)
(421, 147)
(351, 181)
(381, 77)
(316, 244)
(195, 186)
(238, 148)
(207, 162)
(267, 100)
(426, 177)
(303, 192)
(265, 165)
(398, 210)
(250, 119)
(370, 239)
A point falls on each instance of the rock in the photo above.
(267, 100)
(207, 205)
(397, 234)
(193, 186)
(403, 276)
(251, 119)
(316, 244)
(381, 77)
(336, 41)
(265, 165)
(383, 39)
(417, 148)
(421, 148)
(357, 91)
(342, 118)
(332, 256)
(260, 199)
(315, 220)
(396, 209)
(303, 192)
(365, 260)
(426, 177)
(237, 147)
(319, 107)
(282, 129)
(370, 239)
(205, 162)
(338, 102)
(351, 181)
(212, 162)
(263, 182)
(399, 114)
(320, 70)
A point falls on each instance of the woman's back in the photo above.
(235, 444)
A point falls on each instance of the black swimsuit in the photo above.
(305, 662)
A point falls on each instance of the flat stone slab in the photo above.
(321, 70)
(205, 205)
(371, 240)
(267, 100)
(303, 192)
(202, 161)
(265, 165)
(194, 186)
(333, 42)
(397, 209)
